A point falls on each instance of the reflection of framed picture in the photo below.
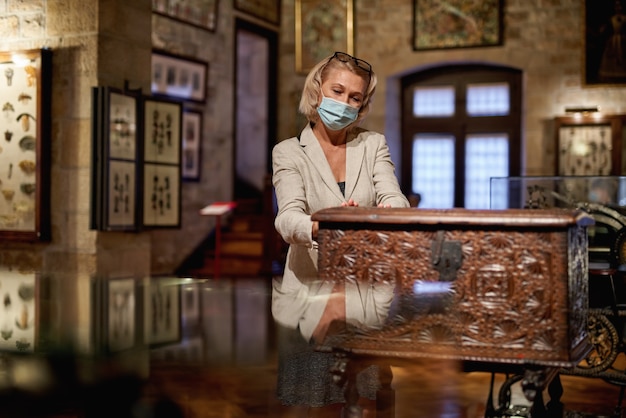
(200, 13)
(114, 160)
(179, 77)
(314, 41)
(605, 21)
(590, 145)
(19, 320)
(192, 145)
(25, 89)
(457, 23)
(121, 325)
(162, 311)
(268, 10)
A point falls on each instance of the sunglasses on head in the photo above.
(343, 57)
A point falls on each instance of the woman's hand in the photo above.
(349, 203)
(380, 205)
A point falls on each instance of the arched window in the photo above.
(461, 126)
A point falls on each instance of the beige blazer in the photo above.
(304, 184)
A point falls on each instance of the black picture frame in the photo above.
(198, 13)
(116, 146)
(179, 77)
(26, 91)
(162, 124)
(604, 62)
(457, 24)
(192, 137)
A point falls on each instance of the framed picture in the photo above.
(457, 24)
(199, 13)
(179, 77)
(121, 321)
(590, 145)
(19, 319)
(161, 163)
(313, 39)
(604, 58)
(268, 10)
(115, 167)
(192, 145)
(162, 311)
(25, 123)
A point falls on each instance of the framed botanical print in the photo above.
(590, 145)
(179, 77)
(115, 155)
(162, 163)
(314, 40)
(25, 125)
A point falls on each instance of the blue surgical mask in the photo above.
(335, 114)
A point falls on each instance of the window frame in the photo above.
(460, 124)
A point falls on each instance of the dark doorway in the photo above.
(255, 108)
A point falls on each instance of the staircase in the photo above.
(250, 246)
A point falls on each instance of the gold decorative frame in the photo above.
(313, 44)
(457, 24)
(26, 91)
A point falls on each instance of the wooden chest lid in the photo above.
(468, 217)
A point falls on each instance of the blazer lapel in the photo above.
(314, 151)
(355, 151)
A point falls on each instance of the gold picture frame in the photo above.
(320, 30)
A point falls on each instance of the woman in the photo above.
(331, 163)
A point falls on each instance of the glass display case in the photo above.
(604, 197)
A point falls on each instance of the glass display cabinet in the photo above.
(604, 198)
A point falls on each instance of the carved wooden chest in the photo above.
(506, 286)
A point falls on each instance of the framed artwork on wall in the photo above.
(268, 10)
(605, 21)
(199, 13)
(179, 77)
(313, 39)
(590, 145)
(162, 163)
(457, 24)
(192, 144)
(25, 92)
(115, 165)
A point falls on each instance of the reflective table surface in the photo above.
(179, 347)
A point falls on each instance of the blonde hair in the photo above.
(313, 86)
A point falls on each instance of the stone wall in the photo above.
(543, 38)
